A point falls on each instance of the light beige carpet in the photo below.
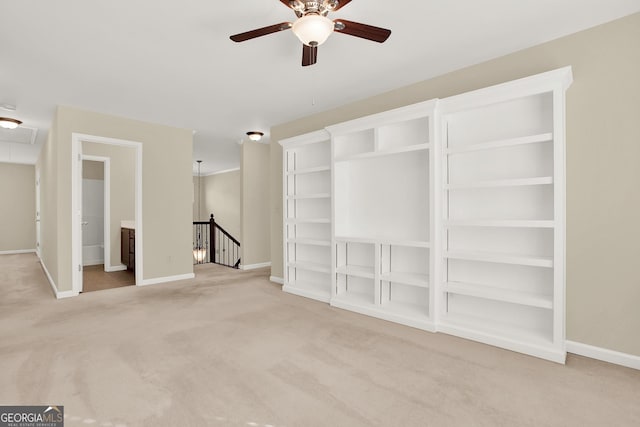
(231, 349)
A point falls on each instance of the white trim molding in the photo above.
(19, 251)
(221, 172)
(255, 266)
(606, 355)
(166, 279)
(58, 294)
(278, 280)
(120, 267)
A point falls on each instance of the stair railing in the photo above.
(213, 244)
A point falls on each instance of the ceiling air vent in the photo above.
(19, 135)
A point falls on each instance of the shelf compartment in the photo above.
(529, 203)
(313, 231)
(405, 309)
(500, 258)
(355, 259)
(403, 133)
(310, 242)
(308, 221)
(509, 142)
(507, 163)
(521, 242)
(308, 208)
(384, 197)
(357, 271)
(500, 223)
(307, 155)
(408, 314)
(315, 169)
(404, 265)
(498, 183)
(384, 241)
(310, 266)
(501, 319)
(310, 196)
(361, 290)
(354, 143)
(316, 182)
(499, 294)
(411, 279)
(502, 335)
(386, 152)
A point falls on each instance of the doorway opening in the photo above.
(98, 270)
(106, 198)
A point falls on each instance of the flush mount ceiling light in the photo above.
(313, 29)
(255, 136)
(9, 123)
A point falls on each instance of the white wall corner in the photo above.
(603, 354)
(58, 294)
(255, 266)
(278, 280)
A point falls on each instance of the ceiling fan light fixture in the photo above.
(313, 29)
(9, 123)
(255, 136)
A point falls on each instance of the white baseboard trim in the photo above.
(58, 294)
(19, 251)
(606, 355)
(120, 267)
(93, 262)
(166, 279)
(255, 266)
(278, 280)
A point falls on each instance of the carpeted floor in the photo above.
(229, 348)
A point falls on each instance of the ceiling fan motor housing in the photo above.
(303, 8)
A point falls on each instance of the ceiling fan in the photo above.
(313, 27)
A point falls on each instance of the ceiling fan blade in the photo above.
(341, 4)
(261, 32)
(309, 55)
(364, 31)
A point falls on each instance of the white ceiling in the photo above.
(172, 62)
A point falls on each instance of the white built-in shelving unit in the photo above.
(307, 215)
(383, 179)
(447, 215)
(503, 215)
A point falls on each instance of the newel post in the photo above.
(212, 252)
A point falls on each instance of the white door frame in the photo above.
(76, 204)
(107, 209)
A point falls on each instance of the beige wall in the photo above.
(122, 188)
(17, 207)
(92, 169)
(603, 203)
(254, 207)
(47, 166)
(166, 182)
(221, 197)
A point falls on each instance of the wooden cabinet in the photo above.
(447, 215)
(128, 248)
